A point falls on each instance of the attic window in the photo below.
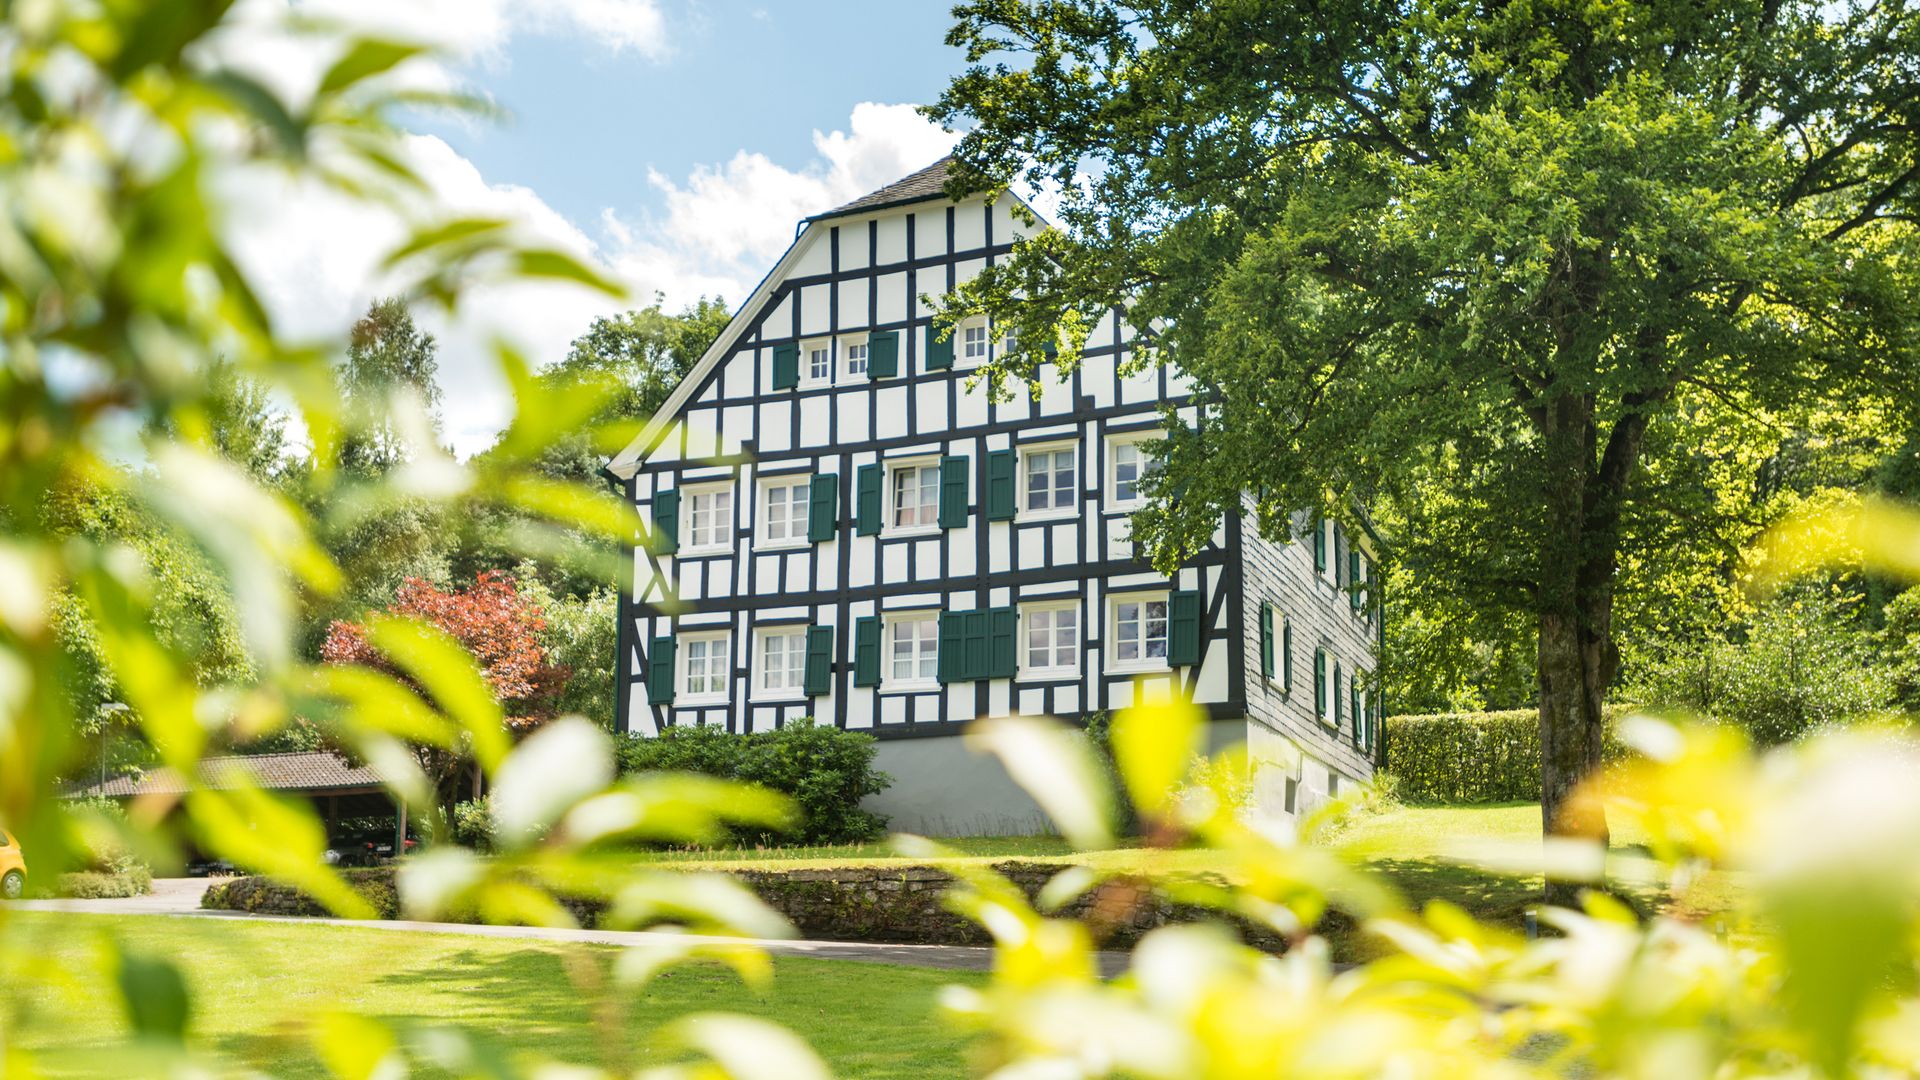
(856, 353)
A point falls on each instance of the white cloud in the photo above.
(314, 255)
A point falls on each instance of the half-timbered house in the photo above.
(842, 527)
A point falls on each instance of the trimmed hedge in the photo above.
(1484, 757)
(264, 896)
(94, 885)
(824, 769)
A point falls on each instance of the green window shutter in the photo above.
(1353, 579)
(1286, 654)
(1320, 684)
(883, 355)
(786, 367)
(1359, 719)
(1001, 488)
(866, 651)
(660, 671)
(950, 666)
(1183, 628)
(666, 522)
(953, 492)
(1319, 546)
(939, 353)
(818, 679)
(1266, 640)
(866, 507)
(1003, 636)
(823, 507)
(1339, 716)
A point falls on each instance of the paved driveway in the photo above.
(181, 897)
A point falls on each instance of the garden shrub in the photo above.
(473, 824)
(96, 885)
(1477, 757)
(825, 770)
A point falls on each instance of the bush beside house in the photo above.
(826, 771)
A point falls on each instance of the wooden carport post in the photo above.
(400, 828)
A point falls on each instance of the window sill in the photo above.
(1135, 668)
(902, 531)
(711, 549)
(776, 697)
(1034, 675)
(1066, 513)
(780, 545)
(927, 687)
(690, 701)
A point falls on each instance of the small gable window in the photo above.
(973, 344)
(856, 352)
(816, 362)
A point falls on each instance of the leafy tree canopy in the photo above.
(1493, 266)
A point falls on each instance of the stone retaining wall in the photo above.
(900, 904)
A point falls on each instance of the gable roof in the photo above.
(306, 771)
(928, 183)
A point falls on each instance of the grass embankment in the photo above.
(256, 986)
(1421, 850)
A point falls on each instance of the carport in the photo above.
(337, 788)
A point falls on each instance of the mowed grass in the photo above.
(257, 986)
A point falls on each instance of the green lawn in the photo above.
(255, 985)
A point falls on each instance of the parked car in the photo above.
(13, 867)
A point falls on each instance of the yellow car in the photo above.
(13, 868)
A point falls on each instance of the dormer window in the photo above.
(816, 362)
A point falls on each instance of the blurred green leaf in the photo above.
(364, 59)
(450, 675)
(154, 994)
(1057, 767)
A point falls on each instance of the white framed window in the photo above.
(703, 667)
(1050, 645)
(783, 510)
(816, 362)
(781, 662)
(854, 352)
(1010, 342)
(1128, 463)
(913, 650)
(913, 495)
(1137, 632)
(1048, 477)
(707, 518)
(971, 344)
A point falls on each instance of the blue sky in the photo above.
(674, 144)
(587, 124)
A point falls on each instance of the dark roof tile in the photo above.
(928, 183)
(313, 770)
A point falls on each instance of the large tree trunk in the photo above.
(1576, 668)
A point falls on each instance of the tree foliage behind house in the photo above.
(1489, 264)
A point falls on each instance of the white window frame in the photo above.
(1050, 607)
(689, 494)
(890, 625)
(889, 503)
(1114, 443)
(797, 523)
(683, 651)
(1112, 651)
(961, 359)
(1007, 343)
(844, 360)
(807, 349)
(1021, 492)
(794, 634)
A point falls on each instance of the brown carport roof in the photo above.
(308, 772)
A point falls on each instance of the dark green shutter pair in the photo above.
(1319, 546)
(1002, 487)
(1266, 640)
(868, 504)
(1286, 654)
(786, 367)
(1183, 628)
(666, 522)
(823, 508)
(660, 671)
(939, 353)
(978, 644)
